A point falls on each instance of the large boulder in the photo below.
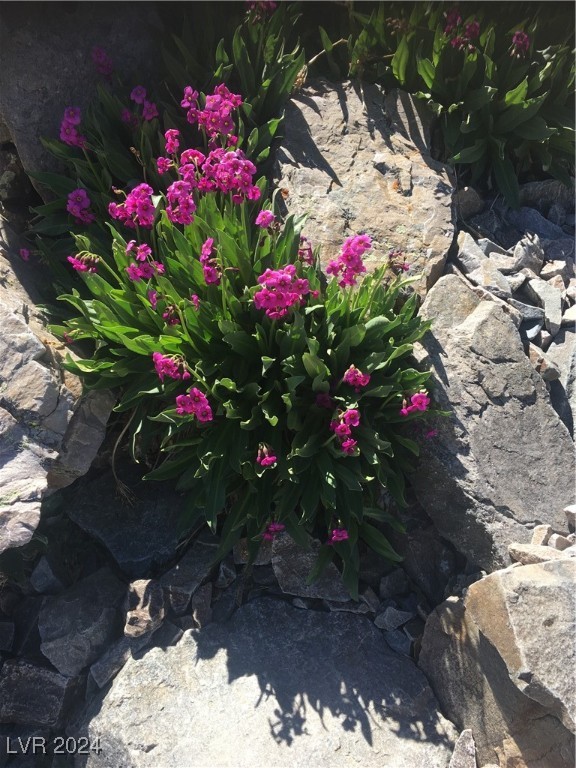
(503, 461)
(42, 74)
(41, 411)
(274, 686)
(501, 662)
(357, 161)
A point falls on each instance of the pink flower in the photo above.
(24, 254)
(129, 119)
(137, 209)
(520, 44)
(305, 251)
(138, 94)
(281, 290)
(163, 164)
(102, 61)
(349, 262)
(356, 378)
(69, 128)
(86, 263)
(171, 139)
(173, 367)
(349, 445)
(351, 417)
(272, 530)
(195, 301)
(134, 272)
(170, 315)
(73, 115)
(453, 20)
(149, 111)
(431, 434)
(337, 535)
(472, 30)
(78, 205)
(153, 298)
(420, 401)
(265, 219)
(265, 457)
(195, 403)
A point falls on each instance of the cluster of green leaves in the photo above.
(261, 377)
(249, 57)
(501, 115)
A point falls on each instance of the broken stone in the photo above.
(488, 247)
(395, 583)
(528, 311)
(558, 249)
(569, 316)
(181, 581)
(398, 641)
(263, 557)
(529, 329)
(371, 599)
(529, 554)
(145, 608)
(490, 278)
(550, 299)
(201, 606)
(167, 635)
(557, 214)
(7, 631)
(570, 512)
(464, 755)
(292, 564)
(392, 618)
(116, 656)
(557, 541)
(543, 364)
(528, 254)
(226, 573)
(470, 256)
(531, 221)
(44, 580)
(350, 607)
(414, 629)
(516, 281)
(541, 534)
(563, 268)
(468, 202)
(545, 339)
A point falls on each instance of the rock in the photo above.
(76, 626)
(181, 581)
(516, 281)
(7, 631)
(34, 695)
(145, 608)
(483, 482)
(44, 580)
(369, 598)
(392, 618)
(562, 351)
(138, 535)
(543, 194)
(351, 606)
(557, 541)
(544, 340)
(470, 256)
(528, 311)
(529, 220)
(558, 250)
(467, 202)
(15, 186)
(112, 661)
(61, 72)
(489, 248)
(550, 299)
(276, 681)
(515, 697)
(414, 629)
(264, 556)
(489, 277)
(570, 291)
(570, 513)
(292, 564)
(226, 573)
(25, 616)
(201, 606)
(347, 160)
(528, 254)
(569, 316)
(168, 635)
(563, 268)
(398, 641)
(543, 364)
(557, 214)
(395, 583)
(529, 554)
(464, 755)
(541, 534)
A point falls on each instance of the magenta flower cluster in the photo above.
(280, 291)
(266, 456)
(356, 378)
(342, 428)
(349, 263)
(337, 535)
(272, 530)
(195, 403)
(305, 251)
(216, 116)
(86, 263)
(418, 402)
(139, 96)
(173, 367)
(102, 61)
(181, 205)
(520, 44)
(69, 128)
(137, 209)
(463, 40)
(146, 266)
(209, 264)
(453, 20)
(78, 205)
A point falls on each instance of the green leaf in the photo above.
(506, 180)
(518, 94)
(378, 542)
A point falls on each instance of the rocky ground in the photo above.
(121, 639)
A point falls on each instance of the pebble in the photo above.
(557, 541)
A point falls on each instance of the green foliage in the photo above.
(504, 111)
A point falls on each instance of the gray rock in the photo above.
(360, 608)
(395, 583)
(530, 329)
(541, 534)
(543, 194)
(167, 635)
(470, 256)
(557, 541)
(112, 661)
(61, 73)
(264, 556)
(76, 626)
(464, 755)
(292, 565)
(516, 281)
(510, 640)
(392, 618)
(483, 482)
(414, 629)
(489, 248)
(467, 202)
(530, 554)
(529, 254)
(546, 367)
(226, 573)
(528, 311)
(489, 277)
(34, 695)
(347, 163)
(201, 606)
(145, 608)
(558, 250)
(44, 580)
(569, 317)
(557, 214)
(398, 641)
(15, 186)
(181, 581)
(561, 267)
(287, 687)
(139, 533)
(562, 351)
(550, 299)
(570, 512)
(530, 220)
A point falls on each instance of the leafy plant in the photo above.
(505, 106)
